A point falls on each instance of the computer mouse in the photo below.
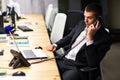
(18, 73)
(1, 52)
(39, 47)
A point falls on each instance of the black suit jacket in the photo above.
(88, 55)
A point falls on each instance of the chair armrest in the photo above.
(87, 69)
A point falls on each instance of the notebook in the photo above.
(30, 53)
(24, 28)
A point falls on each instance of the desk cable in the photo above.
(45, 60)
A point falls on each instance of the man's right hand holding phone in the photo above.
(91, 30)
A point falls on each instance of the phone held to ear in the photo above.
(95, 22)
(98, 19)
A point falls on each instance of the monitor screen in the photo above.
(1, 25)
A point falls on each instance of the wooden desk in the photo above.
(41, 71)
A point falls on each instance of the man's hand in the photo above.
(91, 30)
(51, 47)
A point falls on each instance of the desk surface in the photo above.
(41, 71)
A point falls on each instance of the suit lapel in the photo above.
(83, 47)
(79, 29)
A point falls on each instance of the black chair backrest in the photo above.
(73, 17)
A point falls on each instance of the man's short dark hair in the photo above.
(94, 7)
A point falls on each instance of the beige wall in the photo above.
(111, 63)
(114, 13)
(33, 6)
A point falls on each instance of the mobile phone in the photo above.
(98, 19)
(95, 22)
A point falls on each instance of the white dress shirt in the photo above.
(79, 42)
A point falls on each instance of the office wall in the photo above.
(33, 6)
(111, 64)
(36, 6)
(114, 14)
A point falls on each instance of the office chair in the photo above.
(73, 17)
(48, 15)
(52, 18)
(12, 4)
(92, 73)
(58, 29)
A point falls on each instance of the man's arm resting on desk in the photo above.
(51, 47)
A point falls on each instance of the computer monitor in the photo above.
(12, 15)
(1, 24)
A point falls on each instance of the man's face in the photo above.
(89, 18)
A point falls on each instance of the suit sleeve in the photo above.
(95, 52)
(66, 40)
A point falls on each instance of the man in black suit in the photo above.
(87, 44)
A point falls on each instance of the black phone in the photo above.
(98, 19)
(18, 60)
(95, 22)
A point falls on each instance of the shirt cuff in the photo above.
(89, 42)
(55, 45)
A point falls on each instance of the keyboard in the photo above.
(25, 28)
